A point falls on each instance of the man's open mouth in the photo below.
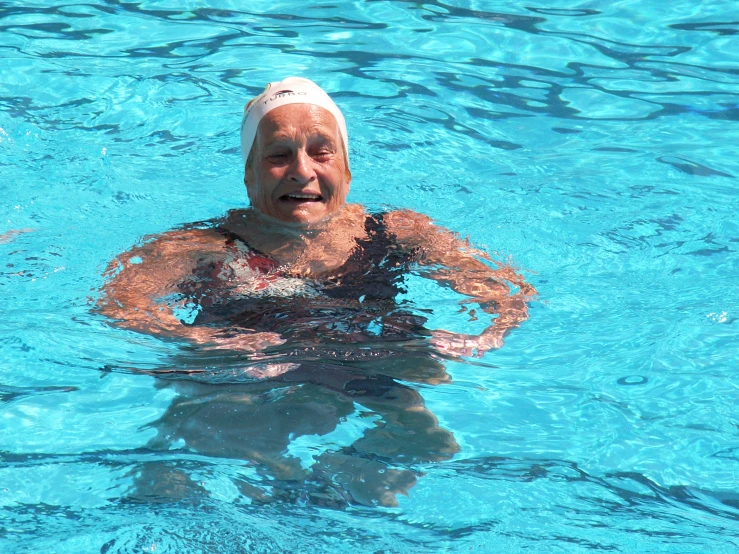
(298, 197)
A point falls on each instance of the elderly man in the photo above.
(309, 283)
(299, 241)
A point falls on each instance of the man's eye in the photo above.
(277, 157)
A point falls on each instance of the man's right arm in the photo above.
(142, 287)
(143, 291)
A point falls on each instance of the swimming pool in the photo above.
(594, 145)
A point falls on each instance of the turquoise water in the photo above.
(592, 144)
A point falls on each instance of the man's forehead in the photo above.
(287, 120)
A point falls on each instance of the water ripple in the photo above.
(594, 146)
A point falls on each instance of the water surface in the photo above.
(592, 145)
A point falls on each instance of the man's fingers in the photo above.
(464, 345)
(248, 342)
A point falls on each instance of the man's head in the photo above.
(294, 142)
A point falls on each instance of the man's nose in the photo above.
(302, 170)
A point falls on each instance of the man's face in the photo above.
(298, 173)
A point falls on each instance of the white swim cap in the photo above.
(293, 90)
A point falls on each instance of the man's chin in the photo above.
(302, 216)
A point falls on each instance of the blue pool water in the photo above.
(592, 144)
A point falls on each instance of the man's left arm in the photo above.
(451, 261)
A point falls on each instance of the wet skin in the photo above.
(298, 175)
(297, 181)
(257, 422)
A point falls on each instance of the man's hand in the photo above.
(244, 341)
(459, 344)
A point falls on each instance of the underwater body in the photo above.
(591, 147)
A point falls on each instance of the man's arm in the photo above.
(454, 263)
(143, 287)
(141, 279)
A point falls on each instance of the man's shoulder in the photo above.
(181, 242)
(407, 224)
